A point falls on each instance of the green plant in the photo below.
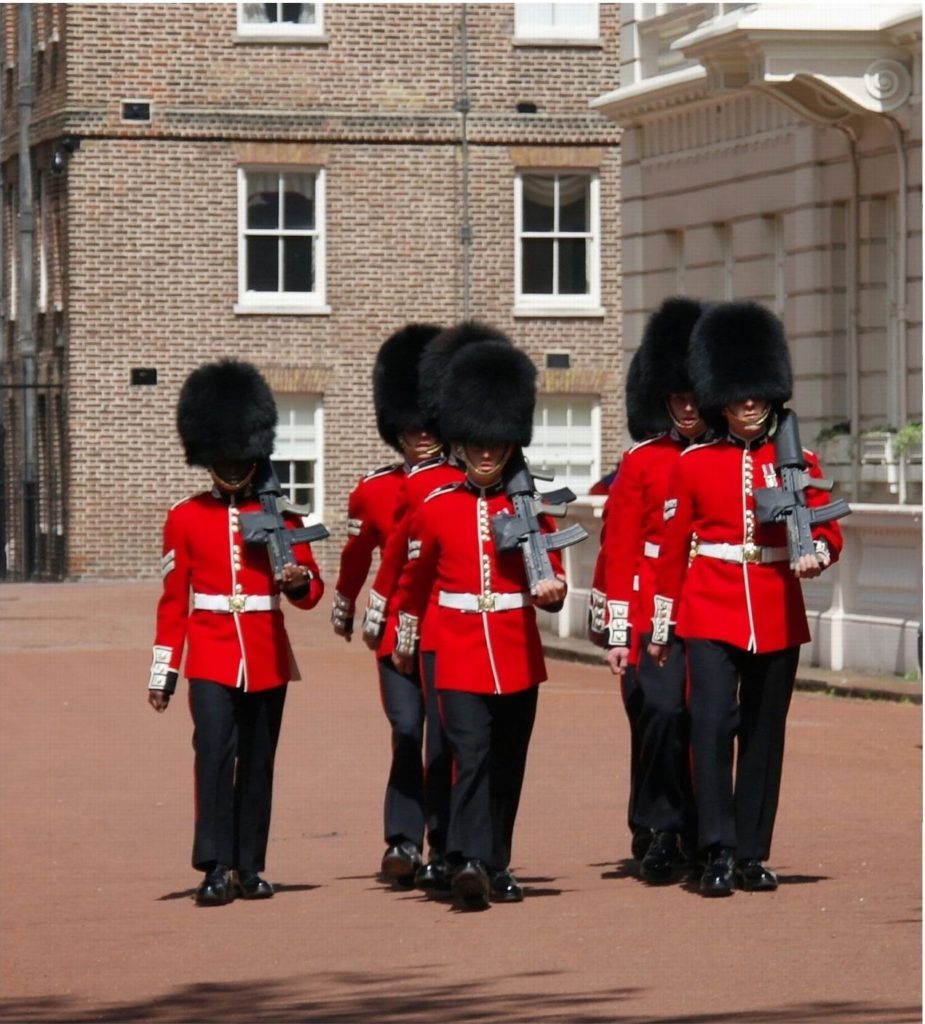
(836, 430)
(907, 436)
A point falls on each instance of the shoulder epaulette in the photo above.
(437, 460)
(189, 497)
(382, 471)
(699, 447)
(444, 489)
(644, 442)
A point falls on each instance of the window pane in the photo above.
(282, 471)
(262, 201)
(304, 472)
(537, 266)
(299, 14)
(576, 20)
(574, 203)
(258, 14)
(538, 204)
(573, 276)
(262, 264)
(298, 272)
(299, 201)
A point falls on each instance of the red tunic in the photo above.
(420, 481)
(631, 534)
(492, 652)
(754, 606)
(370, 515)
(204, 553)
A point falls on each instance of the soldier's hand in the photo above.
(808, 567)
(658, 653)
(618, 658)
(549, 592)
(294, 577)
(371, 640)
(158, 700)
(403, 663)
(344, 630)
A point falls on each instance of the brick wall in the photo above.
(150, 266)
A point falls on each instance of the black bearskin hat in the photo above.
(436, 359)
(739, 350)
(395, 382)
(662, 365)
(488, 395)
(635, 406)
(226, 413)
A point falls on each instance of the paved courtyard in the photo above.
(98, 922)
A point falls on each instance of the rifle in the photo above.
(787, 503)
(268, 526)
(523, 529)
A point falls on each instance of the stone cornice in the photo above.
(653, 95)
(823, 73)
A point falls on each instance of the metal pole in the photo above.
(465, 234)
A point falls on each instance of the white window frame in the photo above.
(533, 453)
(312, 302)
(534, 304)
(535, 23)
(287, 447)
(280, 31)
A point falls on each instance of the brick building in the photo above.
(286, 183)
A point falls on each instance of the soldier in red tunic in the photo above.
(489, 658)
(726, 584)
(374, 508)
(661, 409)
(221, 603)
(381, 620)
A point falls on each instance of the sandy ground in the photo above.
(98, 921)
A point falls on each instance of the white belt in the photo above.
(744, 552)
(650, 550)
(229, 603)
(482, 602)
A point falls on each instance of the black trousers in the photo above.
(403, 703)
(489, 736)
(738, 699)
(438, 761)
(661, 797)
(234, 736)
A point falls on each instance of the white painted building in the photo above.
(773, 152)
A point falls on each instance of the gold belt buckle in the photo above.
(486, 602)
(237, 603)
(751, 553)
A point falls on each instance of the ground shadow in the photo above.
(278, 887)
(346, 998)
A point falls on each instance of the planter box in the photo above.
(835, 451)
(876, 448)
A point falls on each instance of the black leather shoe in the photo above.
(252, 887)
(719, 875)
(434, 876)
(642, 837)
(400, 862)
(216, 889)
(471, 886)
(662, 859)
(505, 888)
(753, 876)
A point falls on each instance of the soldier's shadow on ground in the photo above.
(625, 868)
(278, 887)
(420, 997)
